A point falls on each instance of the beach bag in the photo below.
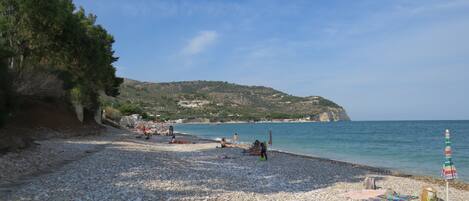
(369, 183)
(428, 194)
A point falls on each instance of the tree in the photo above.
(5, 91)
(129, 108)
(53, 38)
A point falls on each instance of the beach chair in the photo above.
(428, 194)
(369, 183)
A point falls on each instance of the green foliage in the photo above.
(129, 108)
(277, 116)
(76, 95)
(163, 117)
(328, 103)
(148, 117)
(226, 101)
(113, 113)
(54, 36)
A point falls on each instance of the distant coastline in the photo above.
(218, 101)
(254, 122)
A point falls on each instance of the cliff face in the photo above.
(222, 101)
(333, 114)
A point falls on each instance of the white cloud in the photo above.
(201, 42)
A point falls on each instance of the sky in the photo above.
(380, 60)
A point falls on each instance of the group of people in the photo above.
(148, 131)
(257, 148)
(173, 138)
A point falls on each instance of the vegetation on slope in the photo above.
(51, 50)
(217, 101)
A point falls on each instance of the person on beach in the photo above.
(145, 132)
(256, 143)
(235, 138)
(255, 149)
(263, 151)
(171, 130)
(173, 139)
(223, 143)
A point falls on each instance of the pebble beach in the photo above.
(118, 166)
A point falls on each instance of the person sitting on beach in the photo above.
(145, 132)
(263, 151)
(174, 141)
(256, 143)
(255, 148)
(223, 143)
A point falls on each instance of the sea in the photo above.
(411, 147)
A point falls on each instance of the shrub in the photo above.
(113, 113)
(130, 108)
(147, 117)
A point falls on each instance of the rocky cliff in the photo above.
(334, 114)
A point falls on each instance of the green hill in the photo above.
(222, 101)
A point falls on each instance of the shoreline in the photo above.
(458, 184)
(277, 122)
(258, 122)
(125, 167)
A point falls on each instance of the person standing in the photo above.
(235, 138)
(171, 130)
(263, 151)
(146, 132)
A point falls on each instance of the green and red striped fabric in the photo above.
(449, 171)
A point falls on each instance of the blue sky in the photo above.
(381, 60)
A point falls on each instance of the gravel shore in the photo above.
(126, 168)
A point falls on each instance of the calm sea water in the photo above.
(414, 147)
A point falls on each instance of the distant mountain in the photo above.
(223, 101)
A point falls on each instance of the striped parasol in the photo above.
(449, 171)
(270, 137)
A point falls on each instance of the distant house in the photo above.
(193, 103)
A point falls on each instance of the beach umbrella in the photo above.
(270, 137)
(449, 171)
